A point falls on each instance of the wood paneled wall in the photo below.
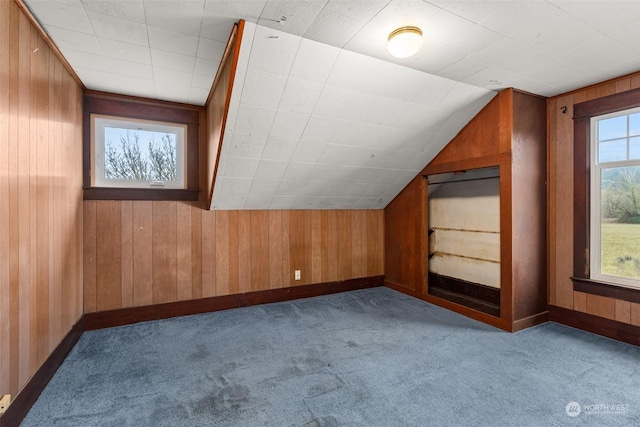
(139, 253)
(40, 200)
(560, 139)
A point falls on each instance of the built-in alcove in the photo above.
(507, 141)
(464, 238)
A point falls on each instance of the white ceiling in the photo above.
(314, 104)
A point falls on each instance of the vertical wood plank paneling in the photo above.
(296, 246)
(196, 251)
(40, 341)
(234, 265)
(164, 249)
(109, 261)
(142, 253)
(89, 255)
(358, 222)
(562, 195)
(329, 246)
(11, 166)
(601, 306)
(208, 253)
(55, 222)
(127, 253)
(623, 311)
(5, 300)
(222, 253)
(286, 249)
(274, 241)
(344, 245)
(374, 243)
(260, 275)
(579, 301)
(238, 251)
(24, 189)
(184, 269)
(40, 212)
(635, 314)
(244, 249)
(316, 247)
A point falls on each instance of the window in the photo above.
(606, 174)
(137, 153)
(615, 198)
(140, 149)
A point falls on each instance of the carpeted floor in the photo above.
(373, 357)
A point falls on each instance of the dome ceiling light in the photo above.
(405, 42)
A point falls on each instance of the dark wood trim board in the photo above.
(598, 325)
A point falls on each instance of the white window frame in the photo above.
(596, 205)
(100, 121)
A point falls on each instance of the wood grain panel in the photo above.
(244, 251)
(109, 263)
(635, 314)
(276, 279)
(41, 213)
(260, 272)
(296, 246)
(330, 246)
(222, 253)
(601, 306)
(580, 301)
(184, 269)
(622, 311)
(127, 253)
(234, 245)
(89, 256)
(345, 251)
(208, 253)
(316, 247)
(6, 343)
(561, 199)
(164, 250)
(196, 251)
(142, 254)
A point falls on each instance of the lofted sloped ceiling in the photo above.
(307, 129)
(323, 116)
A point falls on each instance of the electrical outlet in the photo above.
(296, 275)
(4, 402)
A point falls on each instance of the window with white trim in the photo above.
(132, 153)
(615, 198)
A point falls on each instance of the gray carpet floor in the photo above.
(373, 357)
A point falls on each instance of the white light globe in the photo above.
(404, 42)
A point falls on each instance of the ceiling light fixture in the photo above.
(405, 41)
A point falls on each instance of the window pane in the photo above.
(615, 127)
(634, 124)
(612, 151)
(141, 155)
(634, 148)
(620, 222)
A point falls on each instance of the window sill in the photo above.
(606, 289)
(110, 193)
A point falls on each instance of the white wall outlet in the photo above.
(296, 275)
(4, 402)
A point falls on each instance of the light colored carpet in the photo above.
(373, 357)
